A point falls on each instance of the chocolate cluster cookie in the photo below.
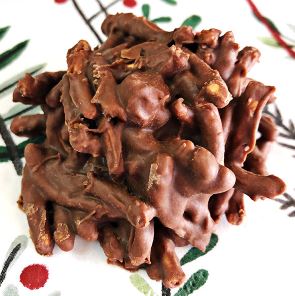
(149, 139)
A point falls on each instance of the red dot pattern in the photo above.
(129, 3)
(34, 276)
(60, 1)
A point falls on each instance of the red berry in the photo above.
(34, 276)
(129, 3)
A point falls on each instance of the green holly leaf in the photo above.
(272, 42)
(195, 253)
(196, 281)
(3, 154)
(146, 10)
(11, 54)
(141, 285)
(17, 247)
(271, 24)
(269, 41)
(163, 19)
(19, 109)
(10, 290)
(20, 148)
(192, 21)
(3, 31)
(172, 2)
(13, 80)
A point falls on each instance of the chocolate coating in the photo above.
(150, 139)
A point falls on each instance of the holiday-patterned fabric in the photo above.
(255, 258)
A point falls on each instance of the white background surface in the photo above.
(256, 258)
